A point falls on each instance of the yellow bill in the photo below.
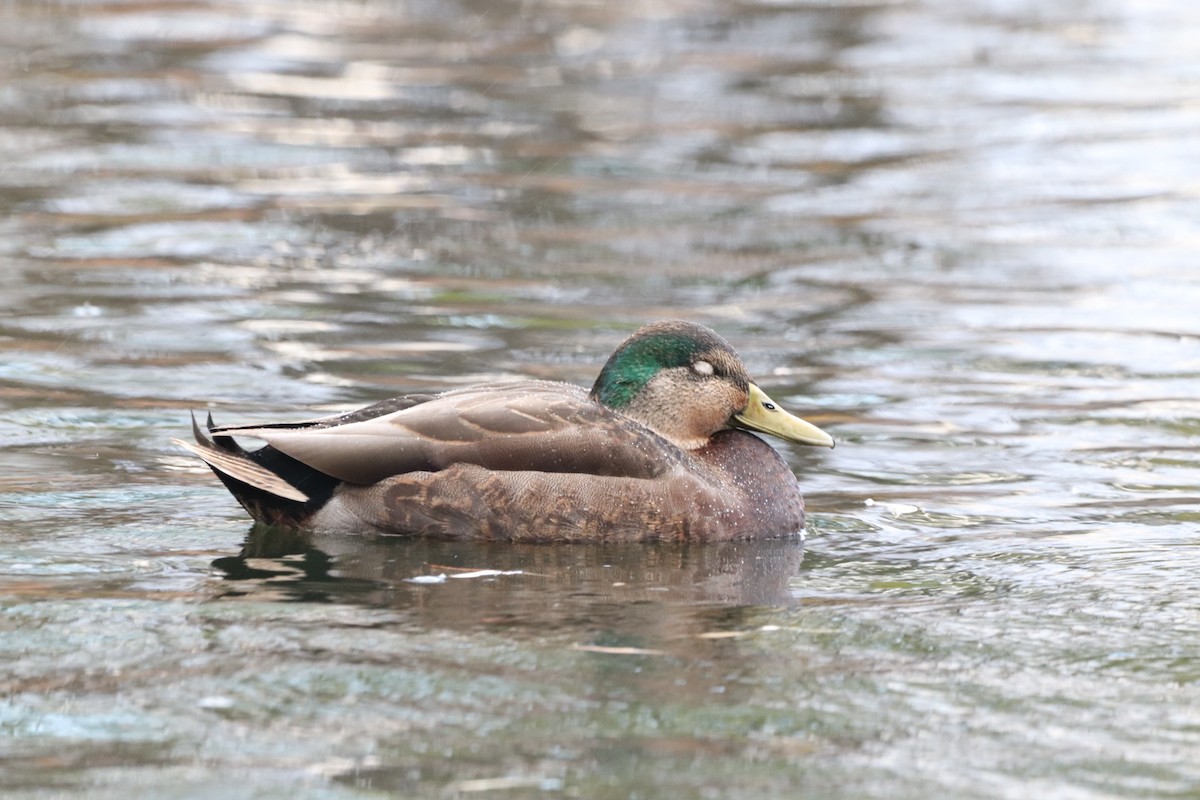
(763, 415)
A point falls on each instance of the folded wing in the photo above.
(521, 425)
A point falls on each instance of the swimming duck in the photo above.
(658, 449)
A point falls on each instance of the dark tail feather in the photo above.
(274, 488)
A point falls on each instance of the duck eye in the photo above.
(702, 368)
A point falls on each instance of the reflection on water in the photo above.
(959, 235)
(463, 584)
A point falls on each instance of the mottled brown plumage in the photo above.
(655, 451)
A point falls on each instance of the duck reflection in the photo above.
(622, 626)
(465, 584)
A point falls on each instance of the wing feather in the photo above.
(518, 426)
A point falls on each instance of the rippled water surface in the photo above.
(961, 236)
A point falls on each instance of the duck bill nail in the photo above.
(764, 415)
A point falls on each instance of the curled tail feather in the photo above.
(273, 487)
(235, 464)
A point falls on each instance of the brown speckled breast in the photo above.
(737, 487)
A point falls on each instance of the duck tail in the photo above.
(265, 481)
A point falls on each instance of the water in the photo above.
(959, 236)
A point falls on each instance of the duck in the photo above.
(663, 447)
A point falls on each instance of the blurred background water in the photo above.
(959, 235)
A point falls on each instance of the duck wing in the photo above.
(537, 426)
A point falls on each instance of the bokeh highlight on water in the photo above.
(959, 235)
